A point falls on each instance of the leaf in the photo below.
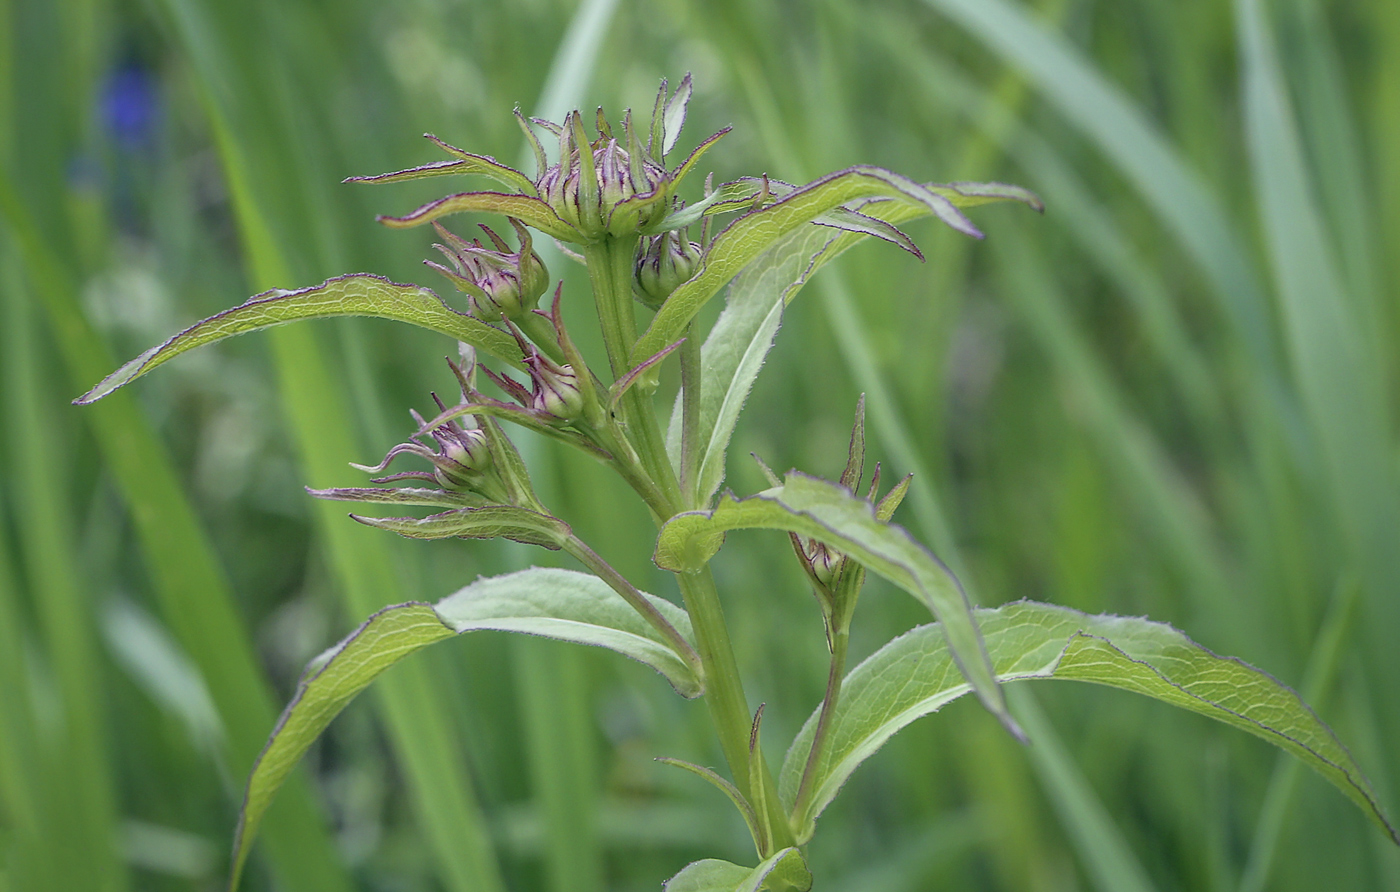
(465, 163)
(734, 351)
(830, 514)
(915, 675)
(525, 208)
(488, 522)
(747, 237)
(784, 870)
(359, 294)
(559, 604)
(709, 875)
(439, 498)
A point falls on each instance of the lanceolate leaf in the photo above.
(551, 603)
(740, 340)
(785, 870)
(750, 235)
(359, 294)
(525, 208)
(465, 163)
(915, 675)
(489, 522)
(830, 514)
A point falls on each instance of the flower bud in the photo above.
(464, 457)
(668, 260)
(501, 283)
(604, 187)
(557, 392)
(825, 563)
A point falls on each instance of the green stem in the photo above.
(610, 263)
(819, 738)
(690, 416)
(619, 583)
(724, 695)
(541, 332)
(610, 270)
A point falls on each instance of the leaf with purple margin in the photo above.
(914, 675)
(464, 163)
(737, 345)
(747, 237)
(525, 208)
(358, 294)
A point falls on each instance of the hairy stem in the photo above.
(619, 583)
(839, 643)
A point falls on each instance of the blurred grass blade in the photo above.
(1322, 671)
(193, 592)
(1339, 377)
(1136, 146)
(1110, 863)
(320, 423)
(82, 797)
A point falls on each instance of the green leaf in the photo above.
(525, 208)
(739, 342)
(830, 514)
(915, 675)
(559, 604)
(359, 294)
(784, 870)
(743, 240)
(465, 163)
(709, 875)
(488, 522)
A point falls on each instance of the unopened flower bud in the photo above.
(465, 456)
(668, 260)
(557, 392)
(825, 563)
(501, 283)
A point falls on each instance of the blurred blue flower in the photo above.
(130, 106)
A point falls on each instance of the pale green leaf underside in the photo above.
(486, 522)
(750, 235)
(358, 294)
(785, 869)
(739, 342)
(914, 675)
(551, 603)
(829, 513)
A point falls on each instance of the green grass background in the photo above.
(1172, 395)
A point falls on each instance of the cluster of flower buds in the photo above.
(616, 184)
(502, 284)
(666, 260)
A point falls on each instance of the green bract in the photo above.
(611, 193)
